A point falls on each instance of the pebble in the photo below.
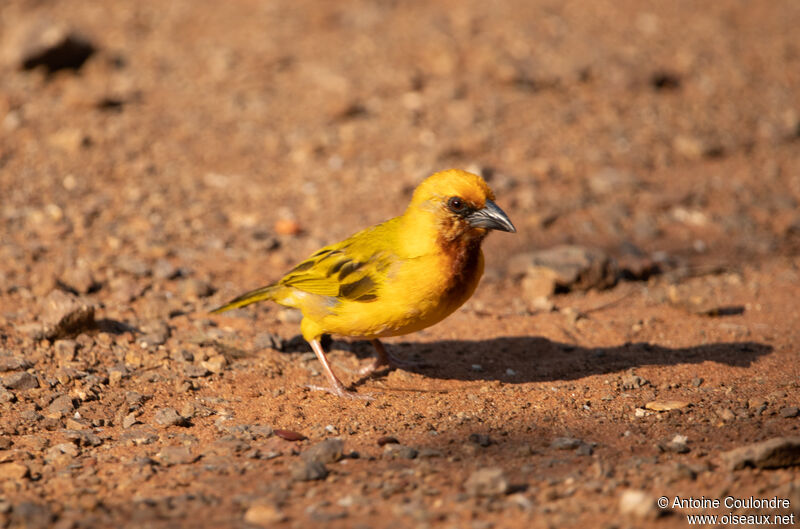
(139, 436)
(566, 443)
(638, 504)
(308, 471)
(195, 371)
(83, 437)
(61, 406)
(287, 227)
(480, 439)
(20, 381)
(490, 481)
(678, 444)
(564, 267)
(789, 412)
(51, 45)
(13, 363)
(264, 514)
(778, 452)
(666, 405)
(65, 350)
(327, 451)
(215, 364)
(175, 455)
(166, 417)
(633, 381)
(194, 288)
(64, 314)
(386, 440)
(398, 451)
(13, 471)
(290, 435)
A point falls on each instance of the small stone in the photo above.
(175, 455)
(13, 471)
(387, 440)
(65, 350)
(789, 412)
(56, 452)
(398, 451)
(678, 444)
(53, 46)
(30, 515)
(287, 227)
(480, 439)
(61, 406)
(308, 471)
(638, 504)
(65, 314)
(487, 482)
(166, 417)
(565, 443)
(290, 435)
(20, 381)
(194, 288)
(633, 381)
(215, 364)
(778, 452)
(666, 405)
(264, 514)
(13, 363)
(328, 451)
(83, 437)
(727, 415)
(6, 396)
(5, 443)
(563, 268)
(195, 371)
(138, 436)
(129, 420)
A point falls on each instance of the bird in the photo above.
(394, 278)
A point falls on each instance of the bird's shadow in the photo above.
(520, 359)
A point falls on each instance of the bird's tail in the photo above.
(260, 294)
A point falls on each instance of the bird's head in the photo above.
(462, 205)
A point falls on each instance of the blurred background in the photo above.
(213, 133)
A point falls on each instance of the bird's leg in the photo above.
(337, 388)
(384, 359)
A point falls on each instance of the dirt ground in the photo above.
(158, 158)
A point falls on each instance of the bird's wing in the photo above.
(351, 270)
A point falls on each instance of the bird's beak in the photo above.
(491, 217)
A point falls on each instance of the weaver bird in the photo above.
(394, 278)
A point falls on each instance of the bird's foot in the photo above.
(341, 391)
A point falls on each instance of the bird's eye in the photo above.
(456, 204)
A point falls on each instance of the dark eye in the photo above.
(456, 204)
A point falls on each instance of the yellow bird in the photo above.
(394, 278)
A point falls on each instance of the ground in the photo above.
(181, 153)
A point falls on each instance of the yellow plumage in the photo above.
(397, 277)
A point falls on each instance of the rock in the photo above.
(166, 417)
(666, 405)
(774, 453)
(398, 451)
(175, 455)
(5, 395)
(789, 412)
(65, 350)
(487, 482)
(287, 227)
(563, 268)
(61, 406)
(31, 515)
(13, 363)
(194, 289)
(387, 440)
(20, 381)
(480, 439)
(638, 504)
(308, 471)
(65, 314)
(51, 45)
(678, 444)
(215, 364)
(633, 381)
(138, 436)
(195, 371)
(290, 435)
(5, 443)
(264, 514)
(13, 471)
(83, 437)
(328, 451)
(566, 443)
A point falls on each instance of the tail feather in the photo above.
(260, 294)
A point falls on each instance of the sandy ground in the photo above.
(163, 157)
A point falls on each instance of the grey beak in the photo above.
(491, 217)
